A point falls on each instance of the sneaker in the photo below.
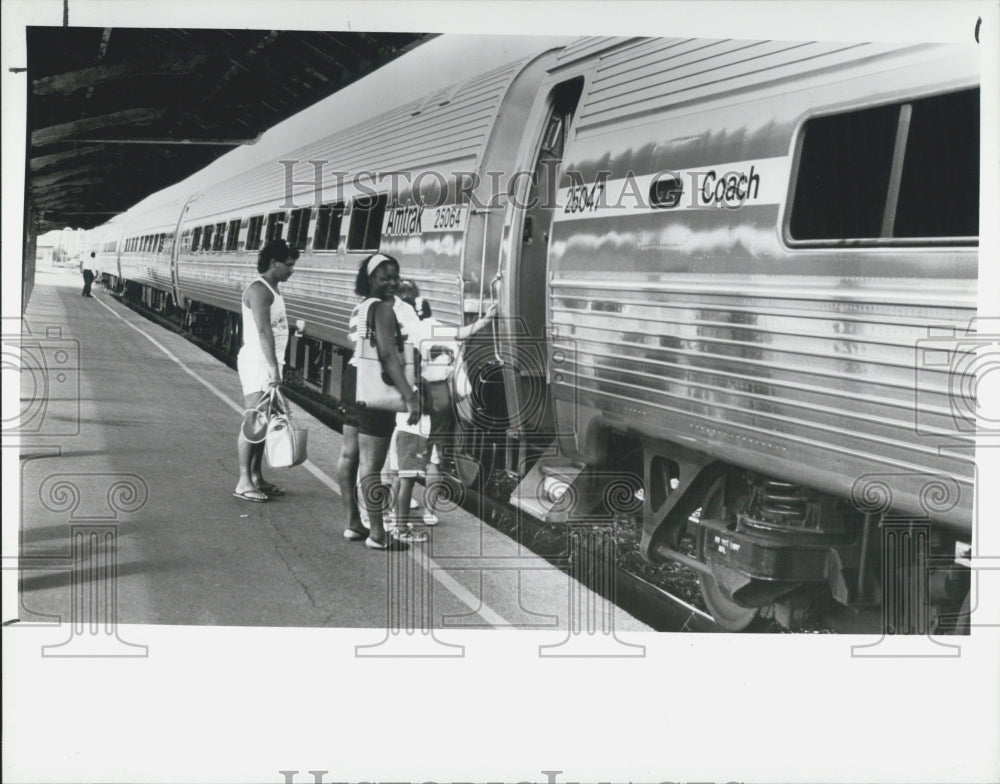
(414, 503)
(407, 535)
(430, 518)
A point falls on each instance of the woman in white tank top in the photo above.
(367, 431)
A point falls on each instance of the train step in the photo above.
(546, 492)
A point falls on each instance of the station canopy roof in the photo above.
(115, 114)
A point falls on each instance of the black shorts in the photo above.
(368, 421)
(348, 385)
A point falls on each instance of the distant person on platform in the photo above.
(88, 275)
(265, 335)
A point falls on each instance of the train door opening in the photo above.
(527, 395)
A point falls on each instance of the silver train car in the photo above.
(737, 284)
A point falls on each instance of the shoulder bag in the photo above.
(285, 443)
(375, 389)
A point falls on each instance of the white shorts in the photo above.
(253, 374)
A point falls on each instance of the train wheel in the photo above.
(728, 614)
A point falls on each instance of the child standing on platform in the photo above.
(417, 454)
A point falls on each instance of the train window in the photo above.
(365, 232)
(553, 141)
(196, 239)
(939, 189)
(163, 241)
(298, 228)
(219, 236)
(253, 232)
(275, 225)
(843, 176)
(328, 222)
(233, 237)
(889, 174)
(206, 238)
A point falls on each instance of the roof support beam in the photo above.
(223, 142)
(73, 81)
(56, 133)
(45, 161)
(50, 178)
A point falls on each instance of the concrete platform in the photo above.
(128, 462)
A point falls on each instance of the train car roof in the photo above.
(421, 72)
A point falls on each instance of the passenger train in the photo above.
(737, 284)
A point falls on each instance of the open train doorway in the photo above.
(525, 379)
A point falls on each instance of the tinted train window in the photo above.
(939, 190)
(905, 171)
(328, 222)
(196, 239)
(233, 237)
(298, 228)
(253, 233)
(206, 238)
(219, 236)
(275, 225)
(365, 232)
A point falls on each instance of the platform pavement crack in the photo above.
(279, 551)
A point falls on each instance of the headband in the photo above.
(374, 261)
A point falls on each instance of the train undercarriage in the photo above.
(768, 551)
